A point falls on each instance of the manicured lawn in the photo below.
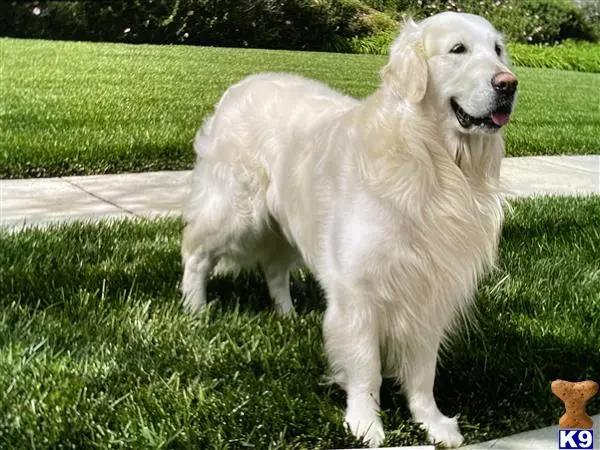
(82, 108)
(96, 353)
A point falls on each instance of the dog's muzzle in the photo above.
(505, 87)
(496, 118)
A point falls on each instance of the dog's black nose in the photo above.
(505, 83)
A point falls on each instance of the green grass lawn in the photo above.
(96, 353)
(83, 108)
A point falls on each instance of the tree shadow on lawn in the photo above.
(497, 378)
(249, 292)
(499, 382)
(496, 375)
(100, 159)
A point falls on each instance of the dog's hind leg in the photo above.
(417, 379)
(197, 264)
(277, 260)
(352, 346)
(278, 281)
(193, 284)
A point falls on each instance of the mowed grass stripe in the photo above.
(96, 352)
(87, 108)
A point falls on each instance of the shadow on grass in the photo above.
(497, 378)
(143, 157)
(250, 294)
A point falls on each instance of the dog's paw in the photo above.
(193, 302)
(444, 431)
(285, 310)
(366, 425)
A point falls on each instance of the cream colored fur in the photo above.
(393, 206)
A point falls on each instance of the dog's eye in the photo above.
(458, 48)
(498, 49)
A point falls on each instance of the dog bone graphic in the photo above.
(575, 396)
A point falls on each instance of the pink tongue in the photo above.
(500, 118)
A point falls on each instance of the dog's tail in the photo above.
(202, 145)
(202, 142)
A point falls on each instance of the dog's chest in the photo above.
(461, 230)
(433, 252)
(463, 233)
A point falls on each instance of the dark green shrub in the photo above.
(528, 21)
(285, 24)
(41, 19)
(385, 5)
(117, 20)
(571, 21)
(290, 24)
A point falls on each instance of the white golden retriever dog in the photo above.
(392, 202)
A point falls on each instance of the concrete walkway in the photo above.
(49, 200)
(542, 439)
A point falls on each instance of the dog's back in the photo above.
(246, 107)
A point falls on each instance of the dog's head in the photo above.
(457, 62)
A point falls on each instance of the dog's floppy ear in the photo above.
(406, 71)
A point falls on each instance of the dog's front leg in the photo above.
(418, 379)
(352, 346)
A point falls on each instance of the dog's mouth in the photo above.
(496, 118)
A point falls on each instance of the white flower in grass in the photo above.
(36, 11)
(126, 30)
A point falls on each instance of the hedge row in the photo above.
(569, 55)
(524, 21)
(284, 24)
